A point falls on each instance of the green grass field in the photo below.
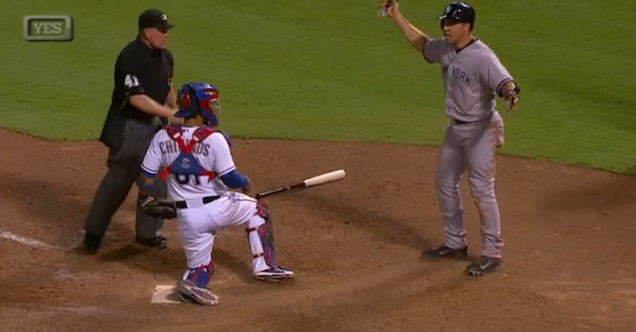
(332, 70)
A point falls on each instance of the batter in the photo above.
(199, 170)
(473, 77)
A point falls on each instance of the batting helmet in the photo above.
(458, 12)
(198, 98)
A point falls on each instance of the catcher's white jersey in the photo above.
(213, 153)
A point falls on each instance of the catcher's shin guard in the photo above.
(260, 234)
(193, 286)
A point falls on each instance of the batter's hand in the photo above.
(389, 7)
(512, 100)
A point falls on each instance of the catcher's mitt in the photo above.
(158, 207)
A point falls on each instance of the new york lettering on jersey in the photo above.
(460, 76)
(473, 77)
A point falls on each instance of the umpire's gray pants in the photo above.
(124, 168)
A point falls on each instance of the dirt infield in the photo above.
(569, 259)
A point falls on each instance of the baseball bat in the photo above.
(310, 182)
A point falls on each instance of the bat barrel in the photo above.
(310, 182)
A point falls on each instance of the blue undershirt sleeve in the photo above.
(146, 181)
(235, 180)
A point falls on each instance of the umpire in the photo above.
(143, 85)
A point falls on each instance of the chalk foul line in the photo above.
(27, 241)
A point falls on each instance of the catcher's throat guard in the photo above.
(186, 164)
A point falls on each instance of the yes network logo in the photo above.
(48, 28)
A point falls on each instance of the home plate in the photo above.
(165, 294)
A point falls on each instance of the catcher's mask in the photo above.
(199, 98)
(458, 12)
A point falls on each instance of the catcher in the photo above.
(200, 171)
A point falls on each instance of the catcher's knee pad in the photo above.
(261, 225)
(200, 276)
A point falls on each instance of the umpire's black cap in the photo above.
(459, 11)
(154, 18)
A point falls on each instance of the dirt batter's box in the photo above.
(48, 28)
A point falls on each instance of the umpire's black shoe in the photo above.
(443, 251)
(159, 241)
(484, 265)
(91, 243)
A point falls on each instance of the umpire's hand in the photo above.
(174, 119)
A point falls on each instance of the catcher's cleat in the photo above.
(484, 265)
(443, 251)
(190, 293)
(275, 274)
(159, 241)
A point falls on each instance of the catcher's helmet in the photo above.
(458, 12)
(199, 98)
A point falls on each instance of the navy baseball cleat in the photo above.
(443, 251)
(484, 265)
(275, 274)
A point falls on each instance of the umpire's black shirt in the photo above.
(139, 69)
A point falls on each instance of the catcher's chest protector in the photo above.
(185, 163)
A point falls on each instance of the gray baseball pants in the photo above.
(470, 146)
(124, 167)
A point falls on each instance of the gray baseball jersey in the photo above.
(472, 76)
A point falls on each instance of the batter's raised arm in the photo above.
(416, 37)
